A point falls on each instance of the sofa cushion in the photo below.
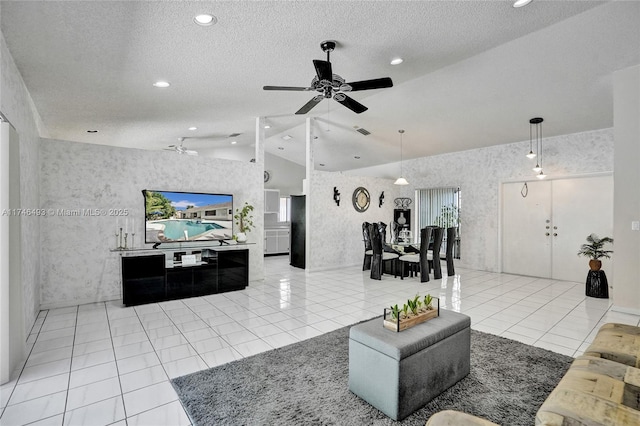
(594, 391)
(617, 342)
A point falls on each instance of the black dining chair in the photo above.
(451, 238)
(380, 257)
(368, 251)
(419, 262)
(433, 255)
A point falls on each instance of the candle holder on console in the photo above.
(119, 237)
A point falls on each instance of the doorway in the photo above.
(544, 223)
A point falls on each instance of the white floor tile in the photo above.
(103, 412)
(168, 414)
(93, 374)
(184, 366)
(142, 378)
(38, 388)
(34, 409)
(221, 356)
(139, 362)
(92, 393)
(145, 399)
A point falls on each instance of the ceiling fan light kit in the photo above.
(331, 85)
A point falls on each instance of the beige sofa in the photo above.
(602, 387)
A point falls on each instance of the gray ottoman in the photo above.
(400, 372)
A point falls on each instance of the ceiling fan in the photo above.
(180, 149)
(332, 85)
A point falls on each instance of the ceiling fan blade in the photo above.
(323, 70)
(377, 83)
(290, 88)
(350, 103)
(309, 105)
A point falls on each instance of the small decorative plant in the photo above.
(243, 218)
(427, 302)
(415, 311)
(594, 250)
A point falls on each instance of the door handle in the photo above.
(546, 227)
(555, 234)
(555, 227)
(546, 234)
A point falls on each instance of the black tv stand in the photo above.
(151, 278)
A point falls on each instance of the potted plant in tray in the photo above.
(244, 221)
(594, 250)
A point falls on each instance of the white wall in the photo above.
(17, 106)
(77, 264)
(626, 177)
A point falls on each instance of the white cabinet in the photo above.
(271, 201)
(276, 241)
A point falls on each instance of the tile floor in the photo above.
(103, 364)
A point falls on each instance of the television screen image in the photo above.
(172, 217)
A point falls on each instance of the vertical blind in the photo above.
(431, 201)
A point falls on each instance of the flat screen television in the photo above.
(179, 217)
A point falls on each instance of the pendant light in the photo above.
(401, 180)
(531, 155)
(537, 122)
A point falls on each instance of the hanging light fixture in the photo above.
(531, 155)
(537, 122)
(401, 180)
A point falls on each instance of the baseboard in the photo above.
(632, 311)
(67, 304)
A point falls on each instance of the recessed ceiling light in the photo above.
(92, 131)
(161, 84)
(205, 20)
(267, 126)
(193, 128)
(397, 61)
(520, 3)
(234, 142)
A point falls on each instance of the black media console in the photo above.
(147, 278)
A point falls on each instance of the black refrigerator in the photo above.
(298, 231)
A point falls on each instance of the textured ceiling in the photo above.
(474, 72)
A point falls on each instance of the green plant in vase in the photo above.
(244, 221)
(594, 250)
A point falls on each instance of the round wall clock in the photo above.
(361, 199)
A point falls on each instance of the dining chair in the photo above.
(379, 257)
(434, 253)
(368, 251)
(451, 238)
(418, 262)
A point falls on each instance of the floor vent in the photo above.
(363, 131)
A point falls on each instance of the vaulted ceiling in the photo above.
(474, 72)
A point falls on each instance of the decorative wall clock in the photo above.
(361, 199)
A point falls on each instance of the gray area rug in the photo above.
(306, 383)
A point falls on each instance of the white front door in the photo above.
(526, 223)
(543, 230)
